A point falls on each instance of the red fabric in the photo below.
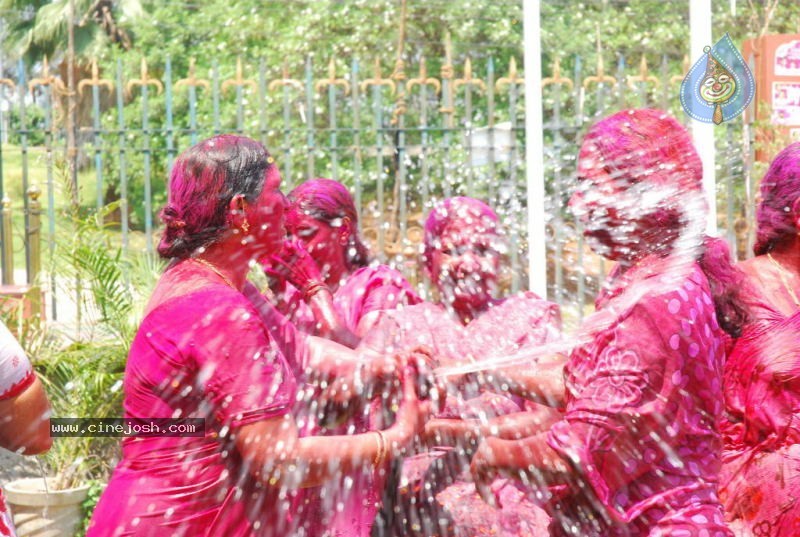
(16, 389)
(760, 482)
(16, 372)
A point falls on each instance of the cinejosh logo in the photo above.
(78, 427)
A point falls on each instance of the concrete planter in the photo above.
(44, 513)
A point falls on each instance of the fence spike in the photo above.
(285, 81)
(192, 80)
(145, 79)
(468, 79)
(47, 80)
(332, 80)
(512, 78)
(377, 79)
(643, 76)
(239, 81)
(95, 80)
(424, 79)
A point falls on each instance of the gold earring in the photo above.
(245, 227)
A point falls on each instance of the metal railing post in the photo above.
(8, 250)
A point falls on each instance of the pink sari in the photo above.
(346, 506)
(760, 483)
(643, 401)
(437, 495)
(204, 355)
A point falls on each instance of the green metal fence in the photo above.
(399, 138)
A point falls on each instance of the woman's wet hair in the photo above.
(204, 180)
(780, 188)
(329, 202)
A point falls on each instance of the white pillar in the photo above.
(703, 133)
(534, 149)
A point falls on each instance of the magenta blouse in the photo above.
(369, 289)
(643, 403)
(206, 354)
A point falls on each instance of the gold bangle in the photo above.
(382, 450)
(378, 452)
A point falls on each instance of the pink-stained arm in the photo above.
(328, 323)
(542, 382)
(454, 432)
(296, 266)
(530, 458)
(344, 372)
(278, 457)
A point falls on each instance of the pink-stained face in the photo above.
(465, 262)
(266, 215)
(321, 240)
(639, 179)
(610, 208)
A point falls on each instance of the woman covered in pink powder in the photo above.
(324, 285)
(334, 292)
(760, 482)
(637, 452)
(203, 351)
(463, 252)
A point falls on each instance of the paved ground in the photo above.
(13, 466)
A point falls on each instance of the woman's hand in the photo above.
(451, 432)
(412, 414)
(484, 469)
(295, 265)
(423, 362)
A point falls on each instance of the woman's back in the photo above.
(201, 355)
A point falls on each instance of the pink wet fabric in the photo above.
(205, 354)
(509, 325)
(346, 506)
(643, 402)
(760, 482)
(368, 289)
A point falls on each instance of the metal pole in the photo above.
(72, 148)
(534, 149)
(8, 251)
(703, 133)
